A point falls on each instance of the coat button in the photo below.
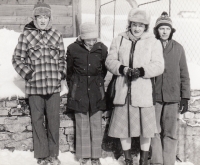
(89, 64)
(88, 89)
(88, 76)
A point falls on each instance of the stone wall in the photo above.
(16, 129)
(189, 131)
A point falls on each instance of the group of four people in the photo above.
(152, 79)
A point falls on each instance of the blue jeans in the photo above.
(164, 145)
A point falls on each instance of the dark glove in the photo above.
(137, 72)
(29, 75)
(183, 106)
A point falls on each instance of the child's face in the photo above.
(42, 21)
(90, 42)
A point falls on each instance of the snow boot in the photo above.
(128, 158)
(143, 157)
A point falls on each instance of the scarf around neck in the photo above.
(132, 37)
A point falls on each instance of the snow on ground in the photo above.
(27, 158)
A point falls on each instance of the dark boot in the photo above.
(128, 158)
(144, 157)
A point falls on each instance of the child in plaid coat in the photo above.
(39, 58)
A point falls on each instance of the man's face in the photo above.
(164, 32)
(42, 21)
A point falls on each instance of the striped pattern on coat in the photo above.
(88, 134)
(40, 52)
(142, 122)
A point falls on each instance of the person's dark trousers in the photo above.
(164, 145)
(45, 142)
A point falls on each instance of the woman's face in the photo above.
(42, 21)
(137, 28)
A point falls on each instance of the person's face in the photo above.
(164, 32)
(42, 21)
(90, 42)
(137, 29)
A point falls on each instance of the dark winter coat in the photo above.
(174, 83)
(44, 56)
(85, 76)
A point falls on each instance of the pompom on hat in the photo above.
(88, 30)
(164, 20)
(139, 15)
(42, 9)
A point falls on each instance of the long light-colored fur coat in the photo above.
(149, 55)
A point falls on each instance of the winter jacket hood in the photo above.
(33, 26)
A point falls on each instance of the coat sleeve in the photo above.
(19, 57)
(184, 76)
(62, 57)
(156, 65)
(112, 61)
(69, 66)
(104, 56)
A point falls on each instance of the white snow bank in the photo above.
(194, 71)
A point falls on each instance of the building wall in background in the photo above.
(14, 14)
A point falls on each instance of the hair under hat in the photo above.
(164, 19)
(138, 15)
(42, 9)
(88, 30)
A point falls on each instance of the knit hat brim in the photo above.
(164, 24)
(89, 35)
(88, 30)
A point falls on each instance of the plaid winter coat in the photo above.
(44, 55)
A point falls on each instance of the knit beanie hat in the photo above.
(42, 9)
(138, 15)
(164, 20)
(88, 30)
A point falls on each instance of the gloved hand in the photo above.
(183, 106)
(137, 72)
(127, 71)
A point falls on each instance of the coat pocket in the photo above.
(100, 85)
(35, 52)
(54, 51)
